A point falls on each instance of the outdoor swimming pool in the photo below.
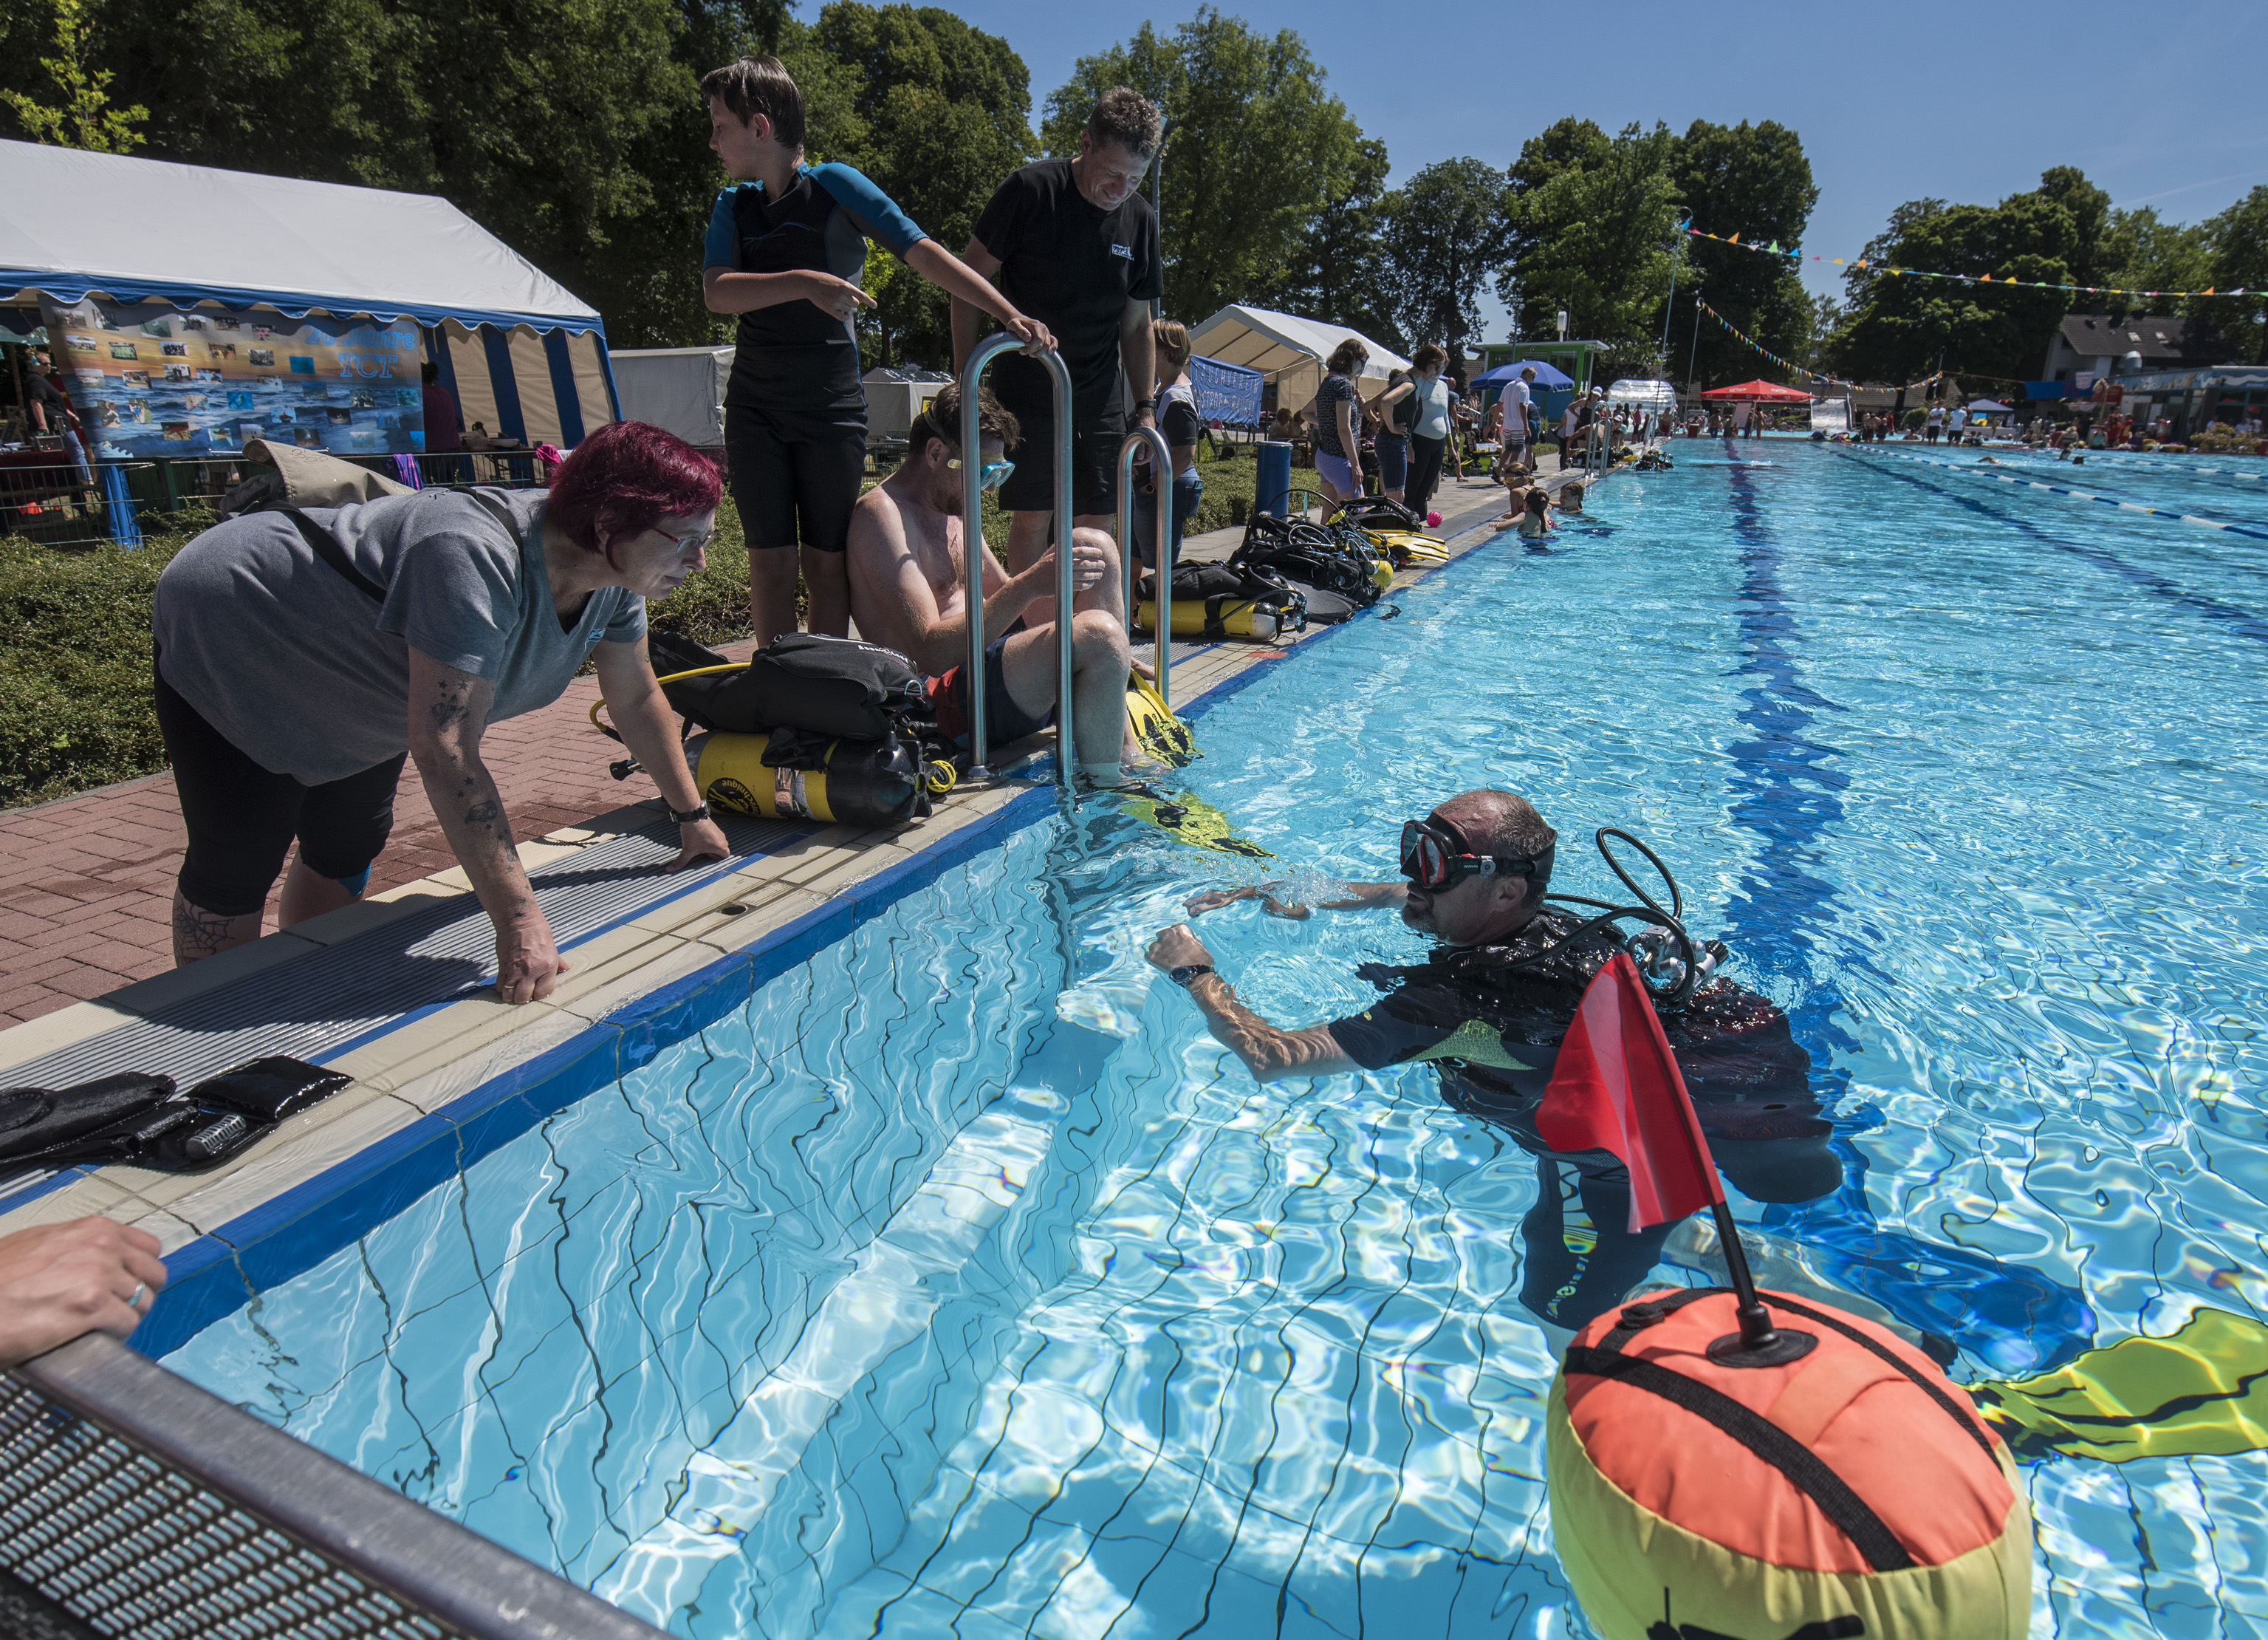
(962, 1283)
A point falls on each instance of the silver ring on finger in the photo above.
(140, 1288)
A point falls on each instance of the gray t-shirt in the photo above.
(306, 674)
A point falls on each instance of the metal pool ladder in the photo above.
(972, 530)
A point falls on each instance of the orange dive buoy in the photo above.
(1849, 1491)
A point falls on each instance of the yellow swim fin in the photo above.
(1189, 820)
(1162, 736)
(2200, 1391)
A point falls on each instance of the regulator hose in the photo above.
(1670, 963)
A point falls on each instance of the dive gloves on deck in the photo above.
(144, 1120)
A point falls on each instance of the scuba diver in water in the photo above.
(1490, 1007)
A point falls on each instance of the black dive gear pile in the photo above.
(1226, 590)
(838, 687)
(1311, 558)
(145, 1119)
(834, 728)
(1670, 963)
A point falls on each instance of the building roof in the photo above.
(82, 224)
(2155, 336)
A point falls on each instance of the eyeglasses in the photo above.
(989, 476)
(1434, 858)
(689, 546)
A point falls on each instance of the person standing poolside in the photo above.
(1429, 428)
(1073, 242)
(785, 246)
(1519, 429)
(1394, 412)
(1933, 423)
(1337, 408)
(1179, 421)
(302, 658)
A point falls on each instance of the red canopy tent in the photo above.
(1765, 392)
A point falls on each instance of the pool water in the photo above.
(962, 1284)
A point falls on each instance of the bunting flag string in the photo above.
(1795, 254)
(1757, 347)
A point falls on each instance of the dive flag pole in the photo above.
(1617, 1086)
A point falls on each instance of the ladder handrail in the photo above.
(972, 529)
(1161, 622)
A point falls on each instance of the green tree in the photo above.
(1339, 271)
(1899, 326)
(2142, 251)
(2092, 257)
(943, 115)
(1443, 234)
(1753, 180)
(570, 129)
(2238, 238)
(1591, 228)
(86, 118)
(1256, 149)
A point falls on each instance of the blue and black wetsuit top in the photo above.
(795, 363)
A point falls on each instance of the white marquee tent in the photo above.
(525, 357)
(1288, 350)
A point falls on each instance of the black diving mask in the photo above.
(1435, 859)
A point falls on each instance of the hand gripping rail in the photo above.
(141, 1505)
(973, 547)
(1161, 468)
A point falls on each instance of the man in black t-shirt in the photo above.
(1490, 1007)
(1073, 244)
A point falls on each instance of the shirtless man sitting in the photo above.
(906, 569)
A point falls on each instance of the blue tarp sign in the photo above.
(1226, 394)
(118, 503)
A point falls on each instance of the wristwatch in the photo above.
(1189, 973)
(688, 816)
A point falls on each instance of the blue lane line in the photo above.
(2241, 621)
(1790, 791)
(1974, 471)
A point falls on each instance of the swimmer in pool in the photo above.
(1488, 1006)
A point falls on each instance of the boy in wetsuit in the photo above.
(1073, 242)
(1490, 1007)
(785, 246)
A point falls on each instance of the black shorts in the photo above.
(1095, 436)
(1005, 722)
(793, 483)
(242, 818)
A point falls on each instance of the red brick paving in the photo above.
(86, 883)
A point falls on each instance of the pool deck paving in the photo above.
(85, 895)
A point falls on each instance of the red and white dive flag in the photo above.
(1616, 1087)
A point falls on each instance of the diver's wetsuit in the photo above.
(1495, 1030)
(795, 413)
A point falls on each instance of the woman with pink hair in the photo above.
(303, 657)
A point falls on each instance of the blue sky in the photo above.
(1968, 100)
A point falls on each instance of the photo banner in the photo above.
(150, 379)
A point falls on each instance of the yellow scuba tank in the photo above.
(861, 782)
(1160, 735)
(1220, 618)
(1381, 573)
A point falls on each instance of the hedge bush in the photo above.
(75, 706)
